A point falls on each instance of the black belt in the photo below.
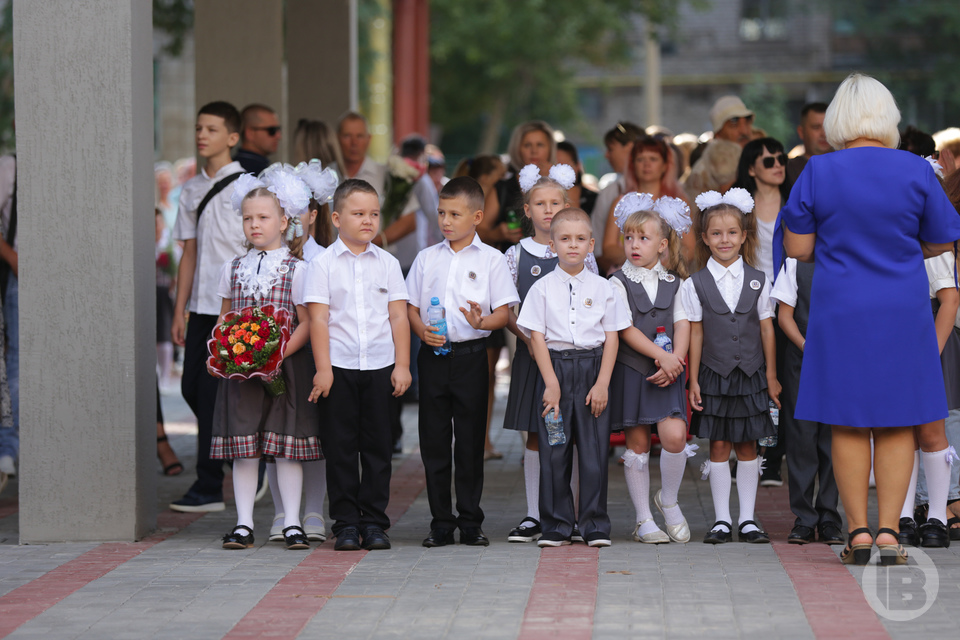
(467, 347)
(576, 354)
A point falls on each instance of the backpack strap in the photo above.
(214, 190)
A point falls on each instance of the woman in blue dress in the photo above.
(867, 215)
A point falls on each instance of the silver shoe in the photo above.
(677, 532)
(654, 537)
(315, 533)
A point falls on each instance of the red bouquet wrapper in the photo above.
(249, 343)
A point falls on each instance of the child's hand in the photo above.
(513, 236)
(551, 400)
(400, 379)
(321, 384)
(431, 337)
(773, 390)
(694, 394)
(597, 399)
(661, 379)
(474, 316)
(178, 330)
(670, 364)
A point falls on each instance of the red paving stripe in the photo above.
(564, 594)
(300, 595)
(829, 594)
(30, 600)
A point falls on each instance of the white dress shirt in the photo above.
(649, 279)
(538, 250)
(219, 236)
(785, 288)
(941, 275)
(310, 248)
(730, 283)
(478, 272)
(572, 312)
(358, 289)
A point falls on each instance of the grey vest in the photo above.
(734, 337)
(530, 269)
(647, 316)
(801, 313)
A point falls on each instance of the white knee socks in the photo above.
(937, 471)
(636, 470)
(910, 502)
(748, 478)
(672, 466)
(720, 490)
(314, 486)
(274, 489)
(531, 482)
(245, 472)
(290, 479)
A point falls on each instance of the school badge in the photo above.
(755, 285)
(383, 290)
(472, 275)
(283, 269)
(669, 277)
(588, 302)
(535, 270)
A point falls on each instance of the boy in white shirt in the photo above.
(212, 234)
(361, 345)
(573, 317)
(474, 285)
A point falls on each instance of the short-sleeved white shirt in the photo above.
(785, 288)
(730, 283)
(572, 312)
(358, 289)
(538, 250)
(649, 279)
(219, 235)
(478, 272)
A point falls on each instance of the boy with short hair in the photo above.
(573, 317)
(474, 285)
(361, 345)
(211, 235)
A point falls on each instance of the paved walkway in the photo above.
(179, 583)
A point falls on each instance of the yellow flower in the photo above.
(245, 325)
(231, 339)
(254, 327)
(238, 349)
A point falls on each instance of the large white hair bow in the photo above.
(291, 191)
(528, 177)
(241, 187)
(675, 212)
(322, 182)
(937, 167)
(564, 175)
(736, 197)
(630, 204)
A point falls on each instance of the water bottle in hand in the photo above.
(554, 424)
(437, 317)
(771, 441)
(662, 340)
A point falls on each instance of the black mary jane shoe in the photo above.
(830, 534)
(717, 535)
(238, 540)
(858, 554)
(758, 536)
(801, 534)
(295, 538)
(935, 534)
(908, 536)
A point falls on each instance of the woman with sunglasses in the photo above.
(762, 172)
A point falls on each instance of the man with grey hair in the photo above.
(353, 134)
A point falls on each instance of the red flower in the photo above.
(258, 344)
(163, 261)
(264, 331)
(224, 342)
(245, 358)
(248, 318)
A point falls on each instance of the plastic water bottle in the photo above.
(513, 220)
(437, 317)
(554, 424)
(771, 441)
(662, 340)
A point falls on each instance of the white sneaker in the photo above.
(599, 542)
(7, 466)
(543, 542)
(315, 533)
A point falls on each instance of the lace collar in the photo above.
(271, 269)
(640, 274)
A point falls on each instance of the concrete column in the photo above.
(321, 45)
(239, 54)
(84, 105)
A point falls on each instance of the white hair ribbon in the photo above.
(629, 204)
(564, 175)
(675, 212)
(291, 191)
(244, 185)
(528, 177)
(322, 182)
(736, 197)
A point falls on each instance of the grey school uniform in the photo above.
(523, 403)
(733, 372)
(633, 400)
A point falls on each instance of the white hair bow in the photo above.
(937, 167)
(291, 191)
(630, 204)
(244, 185)
(564, 175)
(736, 197)
(322, 182)
(528, 177)
(675, 212)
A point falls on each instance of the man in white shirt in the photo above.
(354, 138)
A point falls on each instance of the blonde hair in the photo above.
(516, 140)
(546, 182)
(748, 224)
(862, 108)
(296, 245)
(671, 258)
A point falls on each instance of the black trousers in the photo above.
(808, 454)
(357, 423)
(453, 389)
(199, 389)
(577, 372)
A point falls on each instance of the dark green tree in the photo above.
(7, 137)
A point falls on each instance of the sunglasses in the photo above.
(770, 160)
(271, 131)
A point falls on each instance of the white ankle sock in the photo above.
(531, 482)
(636, 470)
(720, 490)
(575, 482)
(245, 472)
(290, 479)
(274, 489)
(937, 470)
(314, 485)
(911, 500)
(748, 478)
(672, 466)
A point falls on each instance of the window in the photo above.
(763, 20)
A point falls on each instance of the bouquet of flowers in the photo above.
(249, 343)
(401, 174)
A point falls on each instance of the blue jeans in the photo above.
(952, 426)
(10, 436)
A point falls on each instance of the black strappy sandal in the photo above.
(295, 538)
(858, 554)
(237, 540)
(891, 554)
(174, 468)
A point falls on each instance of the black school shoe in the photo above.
(759, 536)
(295, 538)
(719, 536)
(438, 538)
(473, 536)
(236, 539)
(830, 534)
(801, 534)
(528, 531)
(909, 537)
(933, 533)
(375, 539)
(348, 539)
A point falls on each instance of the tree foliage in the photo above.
(174, 18)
